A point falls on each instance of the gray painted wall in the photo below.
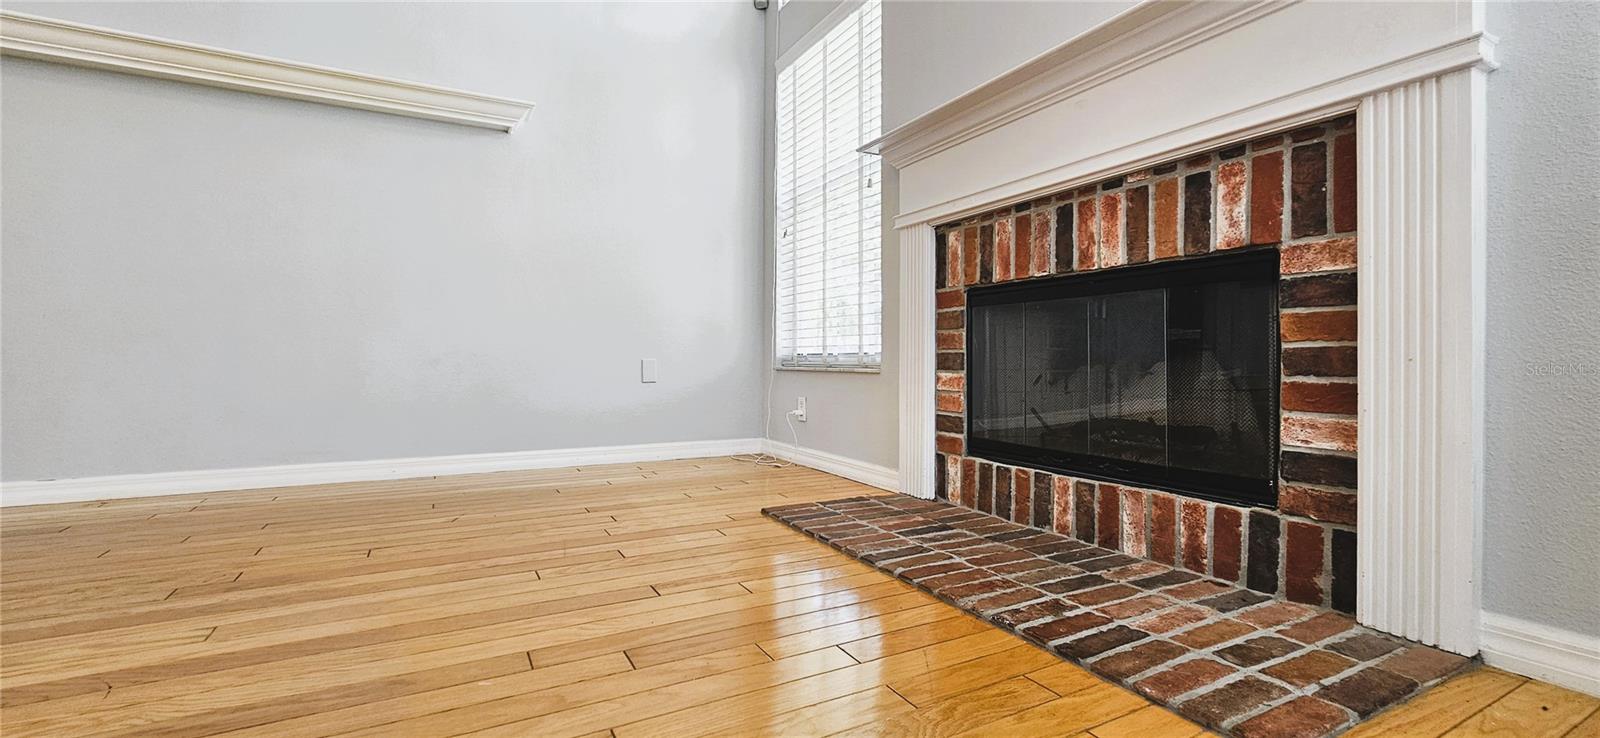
(934, 51)
(1542, 516)
(198, 278)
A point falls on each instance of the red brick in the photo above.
(1003, 250)
(1163, 528)
(1197, 590)
(1230, 216)
(969, 482)
(1133, 533)
(1022, 236)
(1063, 627)
(1138, 224)
(1323, 289)
(1166, 219)
(1318, 628)
(1194, 535)
(1236, 698)
(1211, 634)
(1326, 505)
(1111, 230)
(1108, 514)
(1302, 717)
(1335, 434)
(950, 320)
(1136, 607)
(1198, 160)
(1309, 668)
(1042, 228)
(1319, 361)
(1139, 659)
(1083, 511)
(952, 469)
(1197, 209)
(1227, 540)
(954, 263)
(1102, 595)
(1174, 619)
(1061, 488)
(1088, 242)
(950, 299)
(1318, 325)
(970, 254)
(950, 381)
(1368, 691)
(1266, 198)
(1423, 664)
(1185, 677)
(1304, 562)
(1332, 255)
(1022, 496)
(1274, 614)
(950, 340)
(949, 443)
(1134, 571)
(1344, 183)
(1308, 189)
(1319, 397)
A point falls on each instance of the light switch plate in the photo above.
(647, 371)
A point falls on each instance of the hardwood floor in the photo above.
(629, 600)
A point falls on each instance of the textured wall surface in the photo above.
(1542, 404)
(198, 278)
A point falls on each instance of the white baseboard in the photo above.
(217, 480)
(881, 477)
(1561, 657)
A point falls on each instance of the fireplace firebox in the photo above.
(1162, 375)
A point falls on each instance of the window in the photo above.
(829, 283)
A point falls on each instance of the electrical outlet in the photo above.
(647, 371)
(800, 409)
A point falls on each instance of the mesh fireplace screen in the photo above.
(1163, 375)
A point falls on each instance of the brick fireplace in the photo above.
(1292, 193)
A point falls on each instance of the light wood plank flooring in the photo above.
(630, 600)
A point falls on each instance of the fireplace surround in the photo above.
(1162, 81)
(1276, 214)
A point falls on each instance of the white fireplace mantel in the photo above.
(1166, 79)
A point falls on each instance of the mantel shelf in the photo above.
(65, 42)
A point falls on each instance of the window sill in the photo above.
(831, 369)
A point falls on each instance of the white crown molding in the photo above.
(1558, 656)
(881, 477)
(219, 480)
(1122, 42)
(65, 42)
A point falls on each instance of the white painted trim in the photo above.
(881, 477)
(1269, 116)
(49, 39)
(1125, 41)
(917, 361)
(1421, 257)
(219, 480)
(1561, 657)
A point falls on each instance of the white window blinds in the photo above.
(829, 286)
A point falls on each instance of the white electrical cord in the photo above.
(763, 458)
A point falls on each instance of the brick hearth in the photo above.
(1229, 657)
